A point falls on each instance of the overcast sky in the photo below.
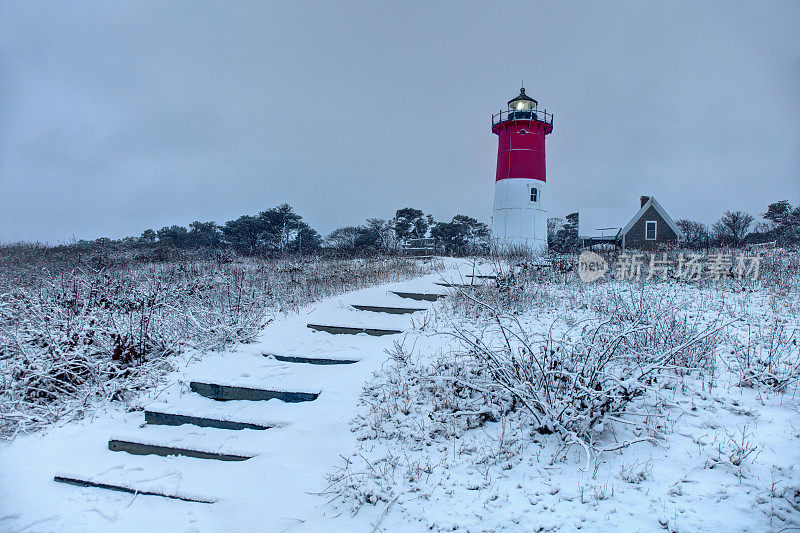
(121, 116)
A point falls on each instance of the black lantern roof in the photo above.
(523, 98)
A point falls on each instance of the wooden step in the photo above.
(140, 448)
(454, 285)
(229, 392)
(481, 276)
(392, 310)
(338, 330)
(158, 418)
(79, 482)
(311, 360)
(419, 296)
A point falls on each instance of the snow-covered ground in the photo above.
(721, 456)
(276, 490)
(371, 453)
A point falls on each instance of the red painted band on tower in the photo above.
(520, 151)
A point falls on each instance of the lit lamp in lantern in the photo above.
(522, 106)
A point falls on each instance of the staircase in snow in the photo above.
(165, 416)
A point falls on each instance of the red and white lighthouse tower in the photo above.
(520, 190)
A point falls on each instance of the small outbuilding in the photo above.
(647, 228)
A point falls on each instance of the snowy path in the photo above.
(275, 490)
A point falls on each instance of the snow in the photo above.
(277, 490)
(495, 477)
(485, 479)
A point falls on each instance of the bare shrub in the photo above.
(582, 379)
(769, 356)
(663, 323)
(735, 450)
(573, 385)
(519, 288)
(636, 472)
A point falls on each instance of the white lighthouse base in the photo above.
(518, 221)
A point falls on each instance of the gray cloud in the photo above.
(116, 117)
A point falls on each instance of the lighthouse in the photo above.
(520, 188)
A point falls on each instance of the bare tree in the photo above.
(732, 228)
(695, 233)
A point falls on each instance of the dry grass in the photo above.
(74, 332)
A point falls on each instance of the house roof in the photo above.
(654, 203)
(603, 223)
(611, 223)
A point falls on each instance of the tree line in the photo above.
(779, 224)
(280, 230)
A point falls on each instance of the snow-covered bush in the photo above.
(572, 381)
(636, 472)
(768, 356)
(573, 384)
(734, 450)
(657, 324)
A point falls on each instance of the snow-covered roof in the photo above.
(599, 223)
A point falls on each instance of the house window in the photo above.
(650, 230)
(534, 194)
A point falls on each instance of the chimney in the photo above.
(644, 200)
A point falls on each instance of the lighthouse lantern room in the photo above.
(520, 192)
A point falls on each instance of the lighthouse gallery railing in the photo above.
(540, 115)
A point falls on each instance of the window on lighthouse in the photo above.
(534, 194)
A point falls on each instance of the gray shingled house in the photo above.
(648, 228)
